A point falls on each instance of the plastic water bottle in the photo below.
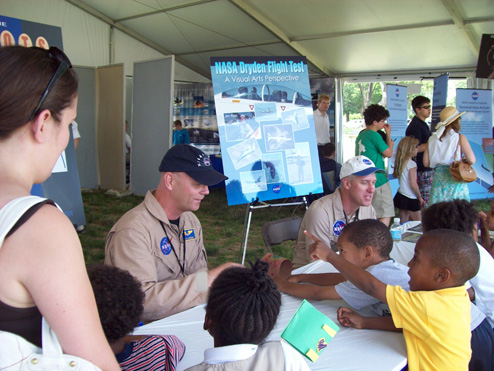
(396, 230)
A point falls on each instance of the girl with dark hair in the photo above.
(242, 309)
(42, 271)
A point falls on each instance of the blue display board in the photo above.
(266, 128)
(439, 98)
(476, 125)
(397, 105)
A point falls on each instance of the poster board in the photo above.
(476, 125)
(151, 121)
(266, 127)
(110, 129)
(397, 105)
(63, 185)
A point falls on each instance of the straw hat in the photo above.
(449, 114)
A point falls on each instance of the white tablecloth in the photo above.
(351, 349)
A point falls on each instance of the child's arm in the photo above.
(358, 276)
(415, 187)
(350, 318)
(307, 291)
(321, 279)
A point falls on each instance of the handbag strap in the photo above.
(457, 146)
(51, 345)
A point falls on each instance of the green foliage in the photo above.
(358, 96)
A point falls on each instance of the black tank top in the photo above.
(25, 322)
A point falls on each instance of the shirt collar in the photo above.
(229, 353)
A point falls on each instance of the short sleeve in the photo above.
(408, 309)
(414, 131)
(379, 143)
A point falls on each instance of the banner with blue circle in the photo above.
(476, 125)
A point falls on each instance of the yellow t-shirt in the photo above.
(436, 326)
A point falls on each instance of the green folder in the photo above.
(309, 331)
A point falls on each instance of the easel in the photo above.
(248, 217)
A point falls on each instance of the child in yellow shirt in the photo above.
(435, 313)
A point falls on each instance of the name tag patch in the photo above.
(189, 234)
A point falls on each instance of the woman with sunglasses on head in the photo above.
(42, 271)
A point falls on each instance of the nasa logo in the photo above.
(277, 188)
(397, 92)
(165, 246)
(367, 162)
(475, 95)
(338, 227)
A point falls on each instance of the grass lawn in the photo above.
(222, 225)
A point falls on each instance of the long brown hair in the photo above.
(25, 74)
(405, 150)
(455, 125)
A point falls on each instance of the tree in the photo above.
(357, 96)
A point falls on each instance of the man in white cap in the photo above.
(160, 241)
(327, 216)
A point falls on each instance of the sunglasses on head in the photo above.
(58, 55)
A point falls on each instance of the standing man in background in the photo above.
(419, 129)
(180, 135)
(321, 120)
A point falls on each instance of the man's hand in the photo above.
(213, 273)
(319, 250)
(350, 318)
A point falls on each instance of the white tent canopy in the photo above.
(339, 38)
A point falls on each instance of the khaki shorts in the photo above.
(382, 201)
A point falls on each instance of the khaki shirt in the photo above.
(325, 219)
(138, 244)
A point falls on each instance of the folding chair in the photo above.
(278, 231)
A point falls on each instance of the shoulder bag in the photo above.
(16, 352)
(461, 170)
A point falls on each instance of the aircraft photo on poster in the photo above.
(266, 128)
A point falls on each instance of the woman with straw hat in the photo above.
(441, 151)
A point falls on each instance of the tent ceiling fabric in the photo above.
(339, 38)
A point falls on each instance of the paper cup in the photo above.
(278, 266)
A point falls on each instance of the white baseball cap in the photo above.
(359, 166)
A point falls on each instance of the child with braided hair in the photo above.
(242, 309)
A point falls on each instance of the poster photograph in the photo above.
(266, 128)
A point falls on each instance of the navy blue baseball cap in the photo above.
(184, 158)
